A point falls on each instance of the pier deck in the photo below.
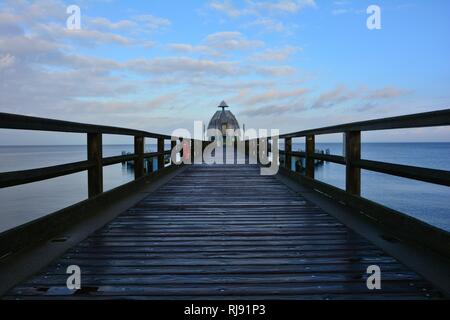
(225, 232)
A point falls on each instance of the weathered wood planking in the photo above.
(225, 232)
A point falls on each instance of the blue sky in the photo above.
(285, 64)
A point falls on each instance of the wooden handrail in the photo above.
(19, 122)
(95, 162)
(420, 120)
(10, 179)
(352, 158)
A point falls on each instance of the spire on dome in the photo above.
(223, 105)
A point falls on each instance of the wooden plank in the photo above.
(402, 225)
(247, 236)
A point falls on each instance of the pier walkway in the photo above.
(225, 232)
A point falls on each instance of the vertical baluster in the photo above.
(173, 145)
(95, 155)
(160, 153)
(139, 162)
(192, 151)
(310, 150)
(353, 153)
(288, 153)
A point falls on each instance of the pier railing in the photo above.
(95, 160)
(354, 163)
(403, 224)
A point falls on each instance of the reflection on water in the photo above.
(24, 203)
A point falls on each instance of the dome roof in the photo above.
(223, 120)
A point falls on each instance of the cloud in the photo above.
(218, 44)
(334, 97)
(284, 6)
(278, 54)
(46, 18)
(152, 22)
(266, 111)
(387, 93)
(109, 25)
(275, 95)
(231, 41)
(6, 61)
(274, 109)
(268, 25)
(227, 7)
(183, 65)
(189, 48)
(136, 24)
(276, 71)
(86, 37)
(343, 7)
(363, 95)
(261, 7)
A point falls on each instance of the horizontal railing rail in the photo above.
(401, 224)
(11, 179)
(420, 120)
(19, 122)
(95, 160)
(352, 158)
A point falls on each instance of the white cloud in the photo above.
(366, 96)
(109, 25)
(232, 41)
(6, 61)
(278, 54)
(152, 22)
(276, 70)
(192, 49)
(228, 8)
(387, 93)
(268, 25)
(218, 44)
(83, 36)
(275, 95)
(184, 65)
(284, 6)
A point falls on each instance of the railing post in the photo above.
(173, 145)
(192, 151)
(161, 153)
(310, 150)
(139, 152)
(353, 153)
(95, 173)
(288, 153)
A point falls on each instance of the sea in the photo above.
(424, 201)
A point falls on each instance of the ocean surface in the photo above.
(430, 203)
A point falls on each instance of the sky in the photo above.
(281, 64)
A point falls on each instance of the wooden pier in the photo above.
(227, 232)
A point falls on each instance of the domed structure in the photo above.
(223, 120)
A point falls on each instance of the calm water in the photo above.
(425, 201)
